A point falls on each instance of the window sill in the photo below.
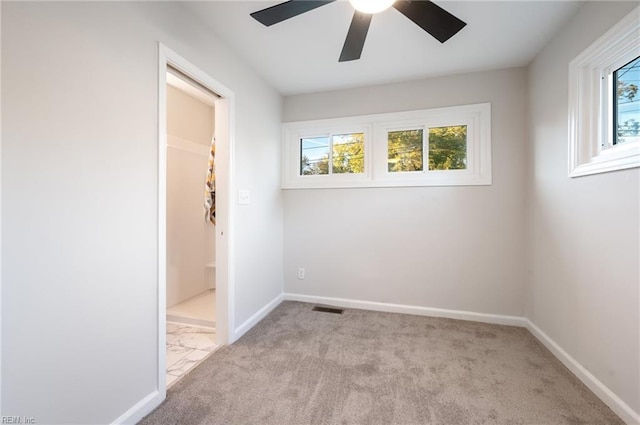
(429, 181)
(609, 160)
(590, 101)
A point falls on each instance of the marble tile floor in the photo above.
(187, 346)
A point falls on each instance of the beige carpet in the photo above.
(303, 367)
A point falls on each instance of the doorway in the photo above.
(191, 259)
(194, 283)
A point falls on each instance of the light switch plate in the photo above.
(243, 197)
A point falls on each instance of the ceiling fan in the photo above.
(427, 15)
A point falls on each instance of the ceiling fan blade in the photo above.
(430, 17)
(289, 9)
(354, 42)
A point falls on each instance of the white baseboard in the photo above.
(253, 320)
(626, 413)
(140, 409)
(153, 400)
(411, 309)
(184, 320)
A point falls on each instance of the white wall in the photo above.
(186, 225)
(79, 197)
(189, 118)
(458, 248)
(190, 237)
(584, 278)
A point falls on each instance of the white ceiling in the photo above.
(300, 55)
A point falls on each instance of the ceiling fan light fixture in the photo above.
(371, 6)
(441, 24)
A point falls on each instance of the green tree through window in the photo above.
(347, 154)
(405, 150)
(448, 148)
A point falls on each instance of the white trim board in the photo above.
(201, 93)
(186, 145)
(497, 319)
(140, 409)
(257, 317)
(476, 118)
(0, 220)
(153, 400)
(608, 397)
(591, 119)
(224, 133)
(615, 403)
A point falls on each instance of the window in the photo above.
(434, 147)
(626, 103)
(604, 103)
(336, 154)
(314, 156)
(348, 153)
(448, 148)
(405, 150)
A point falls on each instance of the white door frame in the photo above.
(224, 134)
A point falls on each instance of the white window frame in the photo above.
(294, 132)
(591, 98)
(476, 117)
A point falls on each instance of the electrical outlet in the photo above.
(244, 198)
(301, 273)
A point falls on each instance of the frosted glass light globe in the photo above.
(371, 6)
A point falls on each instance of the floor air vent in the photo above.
(328, 309)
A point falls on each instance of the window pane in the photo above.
(448, 148)
(404, 150)
(314, 156)
(348, 153)
(626, 108)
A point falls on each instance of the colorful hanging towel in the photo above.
(210, 186)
